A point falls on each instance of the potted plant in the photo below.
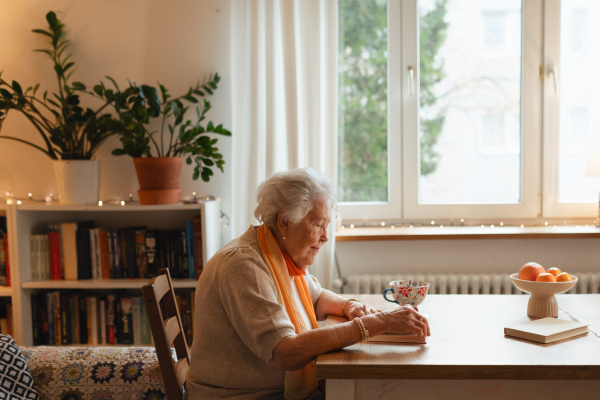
(71, 132)
(157, 134)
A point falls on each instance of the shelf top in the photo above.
(109, 207)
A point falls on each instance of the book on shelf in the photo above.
(140, 253)
(54, 247)
(197, 244)
(117, 272)
(125, 316)
(111, 320)
(102, 321)
(91, 304)
(189, 240)
(82, 319)
(407, 337)
(94, 253)
(7, 259)
(3, 279)
(546, 330)
(84, 256)
(4, 256)
(104, 253)
(146, 335)
(39, 257)
(68, 232)
(56, 310)
(136, 319)
(65, 318)
(151, 262)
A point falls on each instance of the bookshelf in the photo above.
(24, 220)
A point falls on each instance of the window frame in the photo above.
(539, 128)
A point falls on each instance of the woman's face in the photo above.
(303, 240)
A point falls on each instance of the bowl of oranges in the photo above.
(542, 284)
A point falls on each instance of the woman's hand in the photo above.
(405, 319)
(355, 309)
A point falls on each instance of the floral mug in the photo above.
(407, 292)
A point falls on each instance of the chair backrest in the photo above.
(167, 331)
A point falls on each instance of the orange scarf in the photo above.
(303, 382)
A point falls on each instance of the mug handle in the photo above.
(385, 292)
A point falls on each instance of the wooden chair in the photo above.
(167, 331)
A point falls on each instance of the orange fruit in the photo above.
(530, 271)
(564, 277)
(554, 271)
(545, 277)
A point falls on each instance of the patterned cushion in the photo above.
(95, 373)
(15, 380)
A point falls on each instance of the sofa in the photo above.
(74, 373)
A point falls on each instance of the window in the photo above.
(440, 118)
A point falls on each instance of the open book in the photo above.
(546, 330)
(407, 337)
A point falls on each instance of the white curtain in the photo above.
(284, 100)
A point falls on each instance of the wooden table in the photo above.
(468, 355)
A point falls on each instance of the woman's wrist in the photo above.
(345, 304)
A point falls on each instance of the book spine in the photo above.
(84, 268)
(55, 255)
(65, 320)
(3, 279)
(131, 253)
(7, 259)
(124, 255)
(136, 320)
(140, 253)
(198, 252)
(111, 329)
(102, 321)
(93, 258)
(145, 334)
(126, 320)
(92, 320)
(104, 253)
(36, 323)
(189, 236)
(69, 249)
(57, 320)
(50, 317)
(117, 254)
(151, 252)
(83, 319)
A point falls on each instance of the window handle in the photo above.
(411, 81)
(552, 71)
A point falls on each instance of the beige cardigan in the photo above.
(237, 324)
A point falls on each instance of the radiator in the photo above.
(491, 283)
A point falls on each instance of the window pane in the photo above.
(470, 102)
(362, 140)
(579, 101)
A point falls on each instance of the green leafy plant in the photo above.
(69, 130)
(154, 124)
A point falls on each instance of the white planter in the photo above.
(77, 181)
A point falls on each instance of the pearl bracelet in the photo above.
(364, 333)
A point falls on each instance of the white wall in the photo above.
(176, 42)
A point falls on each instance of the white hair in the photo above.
(292, 194)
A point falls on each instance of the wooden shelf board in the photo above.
(101, 284)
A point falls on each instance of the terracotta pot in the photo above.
(159, 179)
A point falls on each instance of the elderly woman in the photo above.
(256, 309)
